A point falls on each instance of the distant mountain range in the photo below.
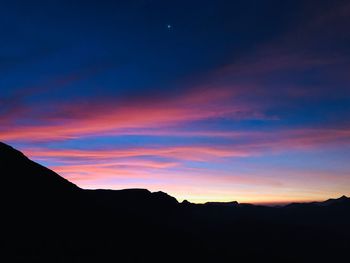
(49, 219)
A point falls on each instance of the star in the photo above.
(169, 26)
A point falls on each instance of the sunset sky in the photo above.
(205, 100)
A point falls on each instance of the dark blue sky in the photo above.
(207, 100)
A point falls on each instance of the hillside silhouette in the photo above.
(49, 219)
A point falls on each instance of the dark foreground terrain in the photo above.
(49, 219)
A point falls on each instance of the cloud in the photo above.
(147, 161)
(245, 88)
(108, 116)
(236, 144)
(187, 153)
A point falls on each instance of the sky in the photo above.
(205, 100)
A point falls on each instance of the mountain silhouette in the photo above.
(49, 219)
(30, 176)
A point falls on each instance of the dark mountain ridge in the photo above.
(30, 175)
(52, 220)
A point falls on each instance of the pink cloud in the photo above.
(71, 121)
(194, 152)
(248, 144)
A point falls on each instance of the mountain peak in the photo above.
(22, 174)
(7, 151)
